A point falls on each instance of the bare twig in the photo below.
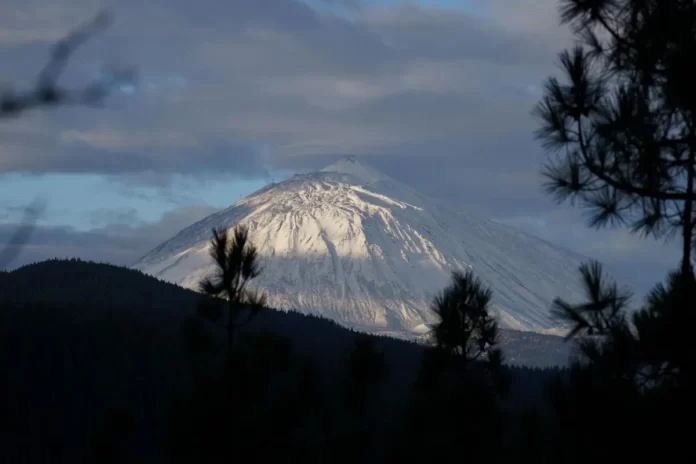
(47, 92)
(19, 239)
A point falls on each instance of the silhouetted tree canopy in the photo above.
(236, 263)
(465, 326)
(622, 129)
(623, 119)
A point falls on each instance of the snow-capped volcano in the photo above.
(357, 246)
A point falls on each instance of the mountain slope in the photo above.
(356, 246)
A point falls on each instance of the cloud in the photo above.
(437, 97)
(119, 237)
(123, 216)
(31, 21)
(284, 75)
(633, 260)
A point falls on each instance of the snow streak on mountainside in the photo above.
(354, 245)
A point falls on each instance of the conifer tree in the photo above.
(634, 370)
(461, 382)
(465, 327)
(236, 261)
(622, 129)
(622, 122)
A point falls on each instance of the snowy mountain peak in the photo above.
(356, 246)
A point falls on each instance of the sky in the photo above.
(233, 94)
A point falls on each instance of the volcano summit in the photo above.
(354, 245)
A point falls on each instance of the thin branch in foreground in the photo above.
(47, 92)
(21, 237)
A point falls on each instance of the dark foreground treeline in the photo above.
(87, 348)
(119, 382)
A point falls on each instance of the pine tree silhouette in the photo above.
(624, 123)
(624, 119)
(634, 371)
(237, 264)
(461, 382)
(466, 329)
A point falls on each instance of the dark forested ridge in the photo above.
(80, 340)
(84, 282)
(73, 281)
